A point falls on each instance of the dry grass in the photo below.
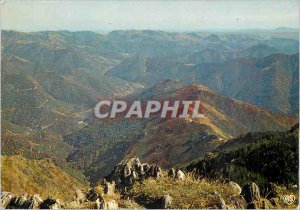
(186, 194)
(20, 175)
(196, 193)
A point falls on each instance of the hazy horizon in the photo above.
(173, 16)
(171, 31)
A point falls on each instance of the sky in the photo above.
(76, 15)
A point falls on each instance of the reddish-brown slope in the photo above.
(176, 141)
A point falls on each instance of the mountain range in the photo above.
(51, 81)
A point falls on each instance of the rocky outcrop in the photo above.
(251, 192)
(132, 170)
(9, 201)
(90, 199)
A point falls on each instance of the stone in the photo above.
(109, 188)
(272, 190)
(21, 202)
(293, 186)
(6, 198)
(157, 172)
(140, 170)
(112, 204)
(235, 188)
(128, 172)
(151, 171)
(264, 205)
(180, 175)
(220, 201)
(171, 173)
(10, 201)
(134, 175)
(251, 192)
(50, 203)
(92, 195)
(146, 167)
(98, 204)
(35, 202)
(80, 197)
(166, 202)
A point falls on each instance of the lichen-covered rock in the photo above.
(236, 189)
(251, 192)
(132, 170)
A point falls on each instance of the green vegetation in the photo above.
(258, 157)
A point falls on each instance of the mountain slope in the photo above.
(50, 82)
(148, 70)
(216, 56)
(167, 139)
(258, 157)
(20, 176)
(276, 76)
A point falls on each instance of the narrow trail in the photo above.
(60, 113)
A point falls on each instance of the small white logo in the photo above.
(288, 199)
